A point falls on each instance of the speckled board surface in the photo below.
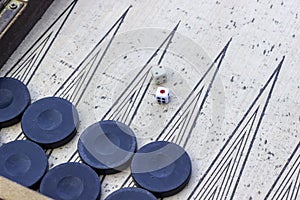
(233, 72)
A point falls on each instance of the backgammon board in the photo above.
(233, 74)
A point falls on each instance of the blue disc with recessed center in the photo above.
(70, 181)
(14, 99)
(107, 146)
(163, 168)
(131, 193)
(24, 162)
(50, 122)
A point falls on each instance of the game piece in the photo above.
(23, 162)
(71, 181)
(131, 193)
(51, 122)
(162, 168)
(14, 99)
(159, 74)
(107, 146)
(162, 95)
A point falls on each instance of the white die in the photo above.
(159, 74)
(162, 95)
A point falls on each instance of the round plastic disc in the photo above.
(24, 162)
(131, 194)
(162, 168)
(71, 181)
(50, 122)
(107, 146)
(14, 99)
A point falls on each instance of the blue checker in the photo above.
(50, 122)
(14, 99)
(131, 194)
(23, 162)
(163, 168)
(107, 146)
(70, 181)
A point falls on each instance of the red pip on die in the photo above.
(162, 95)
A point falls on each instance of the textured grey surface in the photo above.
(262, 31)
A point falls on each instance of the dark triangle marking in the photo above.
(223, 175)
(133, 98)
(255, 109)
(296, 185)
(233, 152)
(289, 174)
(77, 83)
(128, 103)
(219, 178)
(102, 179)
(127, 182)
(48, 152)
(235, 162)
(24, 65)
(239, 156)
(189, 105)
(212, 196)
(74, 156)
(287, 192)
(135, 92)
(27, 67)
(73, 87)
(83, 74)
(179, 129)
(39, 49)
(21, 137)
(176, 138)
